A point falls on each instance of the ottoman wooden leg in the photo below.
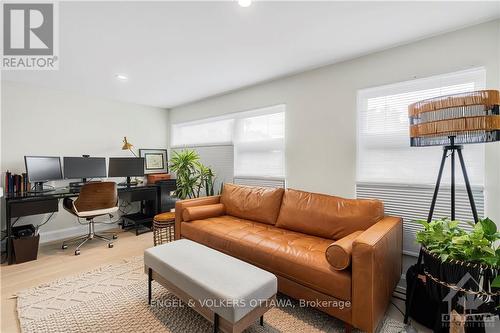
(262, 320)
(150, 279)
(216, 322)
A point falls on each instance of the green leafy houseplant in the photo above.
(192, 175)
(207, 177)
(447, 240)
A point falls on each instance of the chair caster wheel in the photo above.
(110, 245)
(115, 236)
(77, 252)
(64, 247)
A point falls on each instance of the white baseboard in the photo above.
(55, 235)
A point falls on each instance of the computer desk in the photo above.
(32, 203)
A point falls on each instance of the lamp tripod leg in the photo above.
(438, 183)
(452, 192)
(429, 219)
(468, 187)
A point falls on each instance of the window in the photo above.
(403, 176)
(259, 145)
(256, 138)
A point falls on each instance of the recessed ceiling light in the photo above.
(245, 3)
(121, 77)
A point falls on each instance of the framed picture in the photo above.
(155, 160)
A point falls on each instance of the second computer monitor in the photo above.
(126, 167)
(84, 167)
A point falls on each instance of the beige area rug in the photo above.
(113, 298)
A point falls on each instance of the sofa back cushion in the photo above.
(260, 204)
(327, 216)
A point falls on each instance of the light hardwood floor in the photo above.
(54, 263)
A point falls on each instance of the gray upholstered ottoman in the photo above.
(227, 291)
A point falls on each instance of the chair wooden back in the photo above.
(98, 195)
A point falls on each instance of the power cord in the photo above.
(46, 221)
(397, 308)
(15, 221)
(123, 207)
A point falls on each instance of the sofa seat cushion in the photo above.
(298, 257)
(261, 204)
(327, 216)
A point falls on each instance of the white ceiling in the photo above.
(176, 52)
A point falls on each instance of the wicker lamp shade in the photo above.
(472, 117)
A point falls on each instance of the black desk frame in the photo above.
(25, 204)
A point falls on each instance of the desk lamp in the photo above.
(128, 146)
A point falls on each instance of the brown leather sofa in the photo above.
(342, 256)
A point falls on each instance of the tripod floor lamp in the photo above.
(452, 121)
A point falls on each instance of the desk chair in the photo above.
(95, 199)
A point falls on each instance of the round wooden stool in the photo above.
(163, 228)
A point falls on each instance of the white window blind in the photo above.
(403, 176)
(259, 144)
(257, 138)
(209, 131)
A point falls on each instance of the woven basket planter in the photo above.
(460, 278)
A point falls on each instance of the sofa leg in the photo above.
(347, 327)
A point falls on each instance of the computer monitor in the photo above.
(42, 169)
(126, 167)
(84, 168)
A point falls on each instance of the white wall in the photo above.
(39, 121)
(321, 105)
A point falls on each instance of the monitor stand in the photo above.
(128, 183)
(38, 188)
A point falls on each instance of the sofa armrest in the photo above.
(376, 270)
(180, 205)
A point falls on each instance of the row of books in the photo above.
(16, 183)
